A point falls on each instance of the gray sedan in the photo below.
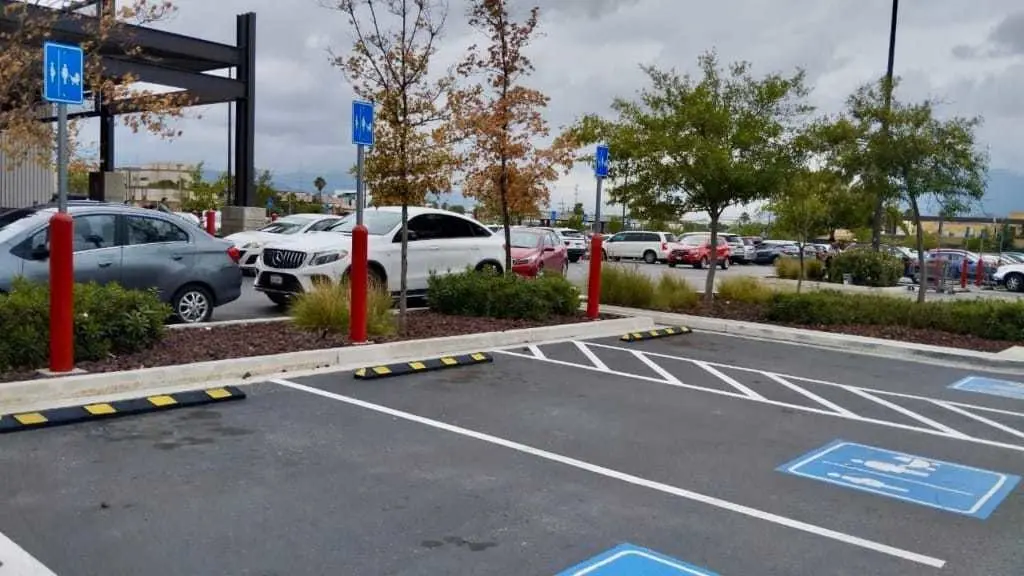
(135, 247)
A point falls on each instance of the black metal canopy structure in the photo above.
(166, 59)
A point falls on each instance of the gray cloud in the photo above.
(1008, 36)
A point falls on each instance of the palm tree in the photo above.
(320, 184)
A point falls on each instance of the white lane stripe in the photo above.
(728, 380)
(982, 419)
(908, 413)
(15, 561)
(816, 381)
(590, 355)
(798, 407)
(811, 395)
(629, 478)
(654, 366)
(536, 351)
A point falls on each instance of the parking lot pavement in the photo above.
(529, 465)
(251, 304)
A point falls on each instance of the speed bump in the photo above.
(441, 363)
(101, 410)
(657, 333)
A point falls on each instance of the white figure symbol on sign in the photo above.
(64, 73)
(53, 72)
(896, 468)
(869, 482)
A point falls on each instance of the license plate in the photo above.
(276, 280)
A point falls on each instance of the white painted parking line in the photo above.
(591, 356)
(15, 561)
(536, 351)
(629, 478)
(829, 408)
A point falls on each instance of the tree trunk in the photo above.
(922, 288)
(506, 218)
(941, 222)
(800, 277)
(403, 288)
(709, 280)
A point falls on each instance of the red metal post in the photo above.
(273, 216)
(211, 222)
(358, 284)
(62, 293)
(594, 278)
(963, 274)
(979, 272)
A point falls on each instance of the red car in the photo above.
(696, 251)
(536, 252)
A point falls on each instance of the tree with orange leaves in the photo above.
(28, 24)
(394, 42)
(500, 120)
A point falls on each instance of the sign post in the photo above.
(362, 136)
(596, 252)
(63, 84)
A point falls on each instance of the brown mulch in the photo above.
(199, 344)
(753, 313)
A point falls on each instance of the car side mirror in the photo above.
(41, 252)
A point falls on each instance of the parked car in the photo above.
(740, 252)
(250, 243)
(650, 246)
(1010, 276)
(695, 250)
(771, 250)
(440, 242)
(134, 247)
(954, 260)
(575, 242)
(538, 251)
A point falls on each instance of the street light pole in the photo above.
(876, 224)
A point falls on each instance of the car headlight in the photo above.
(526, 260)
(321, 258)
(251, 245)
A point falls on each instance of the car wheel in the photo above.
(650, 257)
(193, 304)
(575, 259)
(725, 263)
(1015, 282)
(489, 268)
(671, 264)
(279, 299)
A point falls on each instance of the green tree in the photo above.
(925, 157)
(615, 225)
(202, 195)
(801, 209)
(265, 189)
(457, 208)
(707, 143)
(575, 220)
(319, 183)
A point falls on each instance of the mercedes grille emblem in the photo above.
(276, 259)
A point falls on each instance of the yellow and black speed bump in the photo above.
(403, 368)
(74, 414)
(652, 334)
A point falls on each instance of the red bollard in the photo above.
(979, 273)
(963, 274)
(357, 278)
(273, 216)
(594, 278)
(211, 222)
(62, 294)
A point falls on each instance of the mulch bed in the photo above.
(189, 345)
(752, 313)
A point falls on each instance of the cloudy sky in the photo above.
(968, 54)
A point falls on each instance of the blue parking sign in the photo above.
(629, 560)
(934, 483)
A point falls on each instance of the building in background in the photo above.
(26, 183)
(151, 183)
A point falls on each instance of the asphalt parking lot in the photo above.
(711, 454)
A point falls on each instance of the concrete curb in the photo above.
(246, 321)
(70, 390)
(845, 342)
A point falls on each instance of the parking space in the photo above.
(531, 465)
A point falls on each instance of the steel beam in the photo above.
(245, 117)
(216, 86)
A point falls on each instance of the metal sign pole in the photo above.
(62, 157)
(597, 209)
(360, 184)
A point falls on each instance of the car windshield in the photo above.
(522, 239)
(14, 222)
(571, 233)
(692, 240)
(284, 226)
(377, 222)
(670, 238)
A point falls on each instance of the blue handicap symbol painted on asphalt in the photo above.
(629, 560)
(992, 386)
(933, 483)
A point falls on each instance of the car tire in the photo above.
(575, 259)
(701, 264)
(280, 300)
(192, 304)
(671, 264)
(725, 264)
(650, 257)
(1015, 282)
(490, 267)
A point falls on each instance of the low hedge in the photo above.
(109, 320)
(472, 293)
(867, 268)
(789, 268)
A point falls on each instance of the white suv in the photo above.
(650, 246)
(439, 242)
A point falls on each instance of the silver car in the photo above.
(135, 247)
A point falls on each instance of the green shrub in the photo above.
(627, 286)
(326, 308)
(743, 289)
(674, 294)
(491, 295)
(867, 267)
(789, 268)
(109, 320)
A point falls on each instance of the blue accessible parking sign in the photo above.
(933, 483)
(629, 560)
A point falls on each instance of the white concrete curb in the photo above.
(246, 321)
(1010, 359)
(86, 388)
